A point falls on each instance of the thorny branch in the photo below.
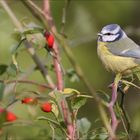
(59, 72)
(29, 48)
(79, 71)
(50, 25)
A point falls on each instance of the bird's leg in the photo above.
(123, 107)
(119, 89)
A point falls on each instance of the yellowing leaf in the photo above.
(14, 61)
(70, 91)
(52, 94)
(55, 110)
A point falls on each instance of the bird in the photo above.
(118, 52)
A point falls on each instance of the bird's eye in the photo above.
(108, 34)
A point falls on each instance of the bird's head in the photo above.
(111, 33)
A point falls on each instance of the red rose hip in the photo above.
(27, 100)
(46, 107)
(50, 39)
(10, 117)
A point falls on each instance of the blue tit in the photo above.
(117, 51)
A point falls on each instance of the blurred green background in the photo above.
(84, 20)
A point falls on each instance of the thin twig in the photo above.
(124, 110)
(27, 82)
(33, 12)
(129, 83)
(24, 75)
(64, 15)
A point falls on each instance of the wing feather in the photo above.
(125, 47)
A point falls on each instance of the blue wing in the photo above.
(125, 47)
(135, 53)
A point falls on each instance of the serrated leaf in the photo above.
(78, 102)
(83, 125)
(3, 68)
(2, 87)
(12, 70)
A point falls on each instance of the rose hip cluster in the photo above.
(10, 116)
(46, 106)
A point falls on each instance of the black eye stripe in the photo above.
(108, 34)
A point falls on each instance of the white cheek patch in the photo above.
(107, 38)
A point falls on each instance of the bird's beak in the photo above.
(99, 35)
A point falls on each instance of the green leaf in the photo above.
(98, 134)
(2, 87)
(58, 96)
(17, 35)
(122, 136)
(138, 75)
(15, 47)
(32, 28)
(72, 75)
(103, 95)
(78, 102)
(103, 136)
(34, 25)
(136, 71)
(85, 96)
(55, 109)
(83, 125)
(3, 68)
(37, 39)
(12, 70)
(48, 119)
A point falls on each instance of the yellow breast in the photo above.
(112, 62)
